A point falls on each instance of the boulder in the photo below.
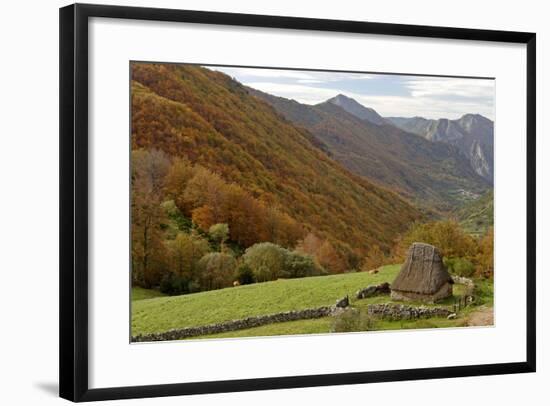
(344, 302)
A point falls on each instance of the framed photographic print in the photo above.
(256, 202)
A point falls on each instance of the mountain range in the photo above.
(435, 175)
(472, 134)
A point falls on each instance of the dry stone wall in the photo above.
(404, 312)
(373, 290)
(249, 322)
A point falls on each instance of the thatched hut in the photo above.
(423, 276)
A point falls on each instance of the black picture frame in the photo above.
(73, 254)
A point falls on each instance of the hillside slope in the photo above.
(210, 119)
(433, 174)
(165, 313)
(477, 216)
(472, 134)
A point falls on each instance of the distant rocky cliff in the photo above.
(472, 134)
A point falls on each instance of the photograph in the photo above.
(273, 202)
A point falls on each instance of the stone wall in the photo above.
(404, 312)
(373, 290)
(249, 322)
(444, 291)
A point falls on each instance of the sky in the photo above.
(389, 95)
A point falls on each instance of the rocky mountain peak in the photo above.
(357, 109)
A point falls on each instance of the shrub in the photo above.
(184, 252)
(375, 258)
(485, 255)
(460, 266)
(325, 254)
(298, 265)
(219, 233)
(172, 284)
(244, 275)
(352, 320)
(216, 270)
(267, 261)
(448, 236)
(176, 220)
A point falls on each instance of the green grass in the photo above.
(323, 325)
(165, 313)
(484, 291)
(313, 326)
(141, 293)
(435, 322)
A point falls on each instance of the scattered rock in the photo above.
(367, 292)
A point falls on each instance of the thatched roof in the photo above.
(423, 271)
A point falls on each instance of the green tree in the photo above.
(448, 236)
(184, 253)
(219, 233)
(460, 266)
(298, 265)
(244, 274)
(267, 261)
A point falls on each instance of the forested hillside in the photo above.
(432, 174)
(226, 157)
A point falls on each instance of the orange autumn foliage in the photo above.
(210, 120)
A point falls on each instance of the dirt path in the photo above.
(482, 317)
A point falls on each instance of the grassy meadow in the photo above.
(139, 293)
(165, 313)
(154, 312)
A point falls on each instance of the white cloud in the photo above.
(265, 73)
(429, 97)
(298, 92)
(252, 74)
(452, 87)
(403, 106)
(400, 106)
